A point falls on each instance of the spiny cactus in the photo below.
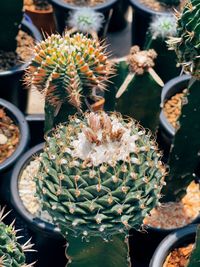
(11, 14)
(182, 161)
(11, 252)
(86, 20)
(195, 256)
(99, 176)
(170, 2)
(68, 69)
(187, 43)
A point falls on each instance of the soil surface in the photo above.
(179, 257)
(159, 7)
(9, 136)
(22, 54)
(85, 2)
(172, 108)
(176, 214)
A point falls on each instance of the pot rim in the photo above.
(141, 7)
(98, 7)
(16, 201)
(170, 242)
(21, 67)
(171, 83)
(21, 122)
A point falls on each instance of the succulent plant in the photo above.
(86, 20)
(170, 2)
(11, 15)
(67, 69)
(182, 161)
(99, 176)
(141, 88)
(195, 256)
(11, 252)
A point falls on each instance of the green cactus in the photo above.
(67, 69)
(195, 256)
(99, 177)
(11, 14)
(170, 2)
(11, 252)
(183, 164)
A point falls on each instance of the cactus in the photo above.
(99, 176)
(160, 28)
(141, 89)
(195, 256)
(170, 2)
(11, 252)
(182, 165)
(11, 15)
(68, 69)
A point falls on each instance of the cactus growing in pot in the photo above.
(68, 69)
(99, 176)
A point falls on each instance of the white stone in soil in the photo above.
(3, 139)
(27, 191)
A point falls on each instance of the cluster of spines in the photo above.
(99, 200)
(65, 68)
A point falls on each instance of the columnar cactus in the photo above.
(100, 175)
(186, 45)
(11, 252)
(11, 14)
(68, 69)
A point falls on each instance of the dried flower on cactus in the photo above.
(66, 68)
(140, 62)
(86, 20)
(103, 176)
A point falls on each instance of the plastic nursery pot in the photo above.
(167, 131)
(11, 84)
(174, 240)
(18, 118)
(62, 11)
(142, 16)
(48, 241)
(118, 20)
(143, 244)
(43, 19)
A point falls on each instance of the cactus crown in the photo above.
(99, 175)
(11, 12)
(170, 2)
(11, 252)
(186, 44)
(86, 20)
(163, 26)
(66, 68)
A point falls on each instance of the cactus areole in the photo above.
(100, 175)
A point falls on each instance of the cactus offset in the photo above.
(68, 69)
(11, 14)
(99, 176)
(11, 252)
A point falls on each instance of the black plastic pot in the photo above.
(174, 240)
(18, 118)
(11, 84)
(46, 236)
(118, 20)
(143, 244)
(172, 87)
(142, 16)
(62, 11)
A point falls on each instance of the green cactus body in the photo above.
(195, 256)
(11, 14)
(170, 2)
(67, 70)
(99, 176)
(11, 252)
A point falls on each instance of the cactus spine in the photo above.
(11, 15)
(186, 45)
